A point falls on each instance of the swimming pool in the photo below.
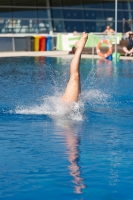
(86, 154)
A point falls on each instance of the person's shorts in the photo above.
(129, 47)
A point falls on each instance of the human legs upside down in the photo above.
(73, 88)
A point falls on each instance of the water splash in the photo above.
(95, 97)
(53, 107)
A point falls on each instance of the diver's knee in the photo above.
(76, 76)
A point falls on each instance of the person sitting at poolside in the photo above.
(108, 30)
(73, 88)
(129, 48)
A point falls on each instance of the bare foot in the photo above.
(81, 43)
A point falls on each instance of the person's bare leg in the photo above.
(126, 50)
(73, 87)
(131, 51)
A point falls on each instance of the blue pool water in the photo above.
(48, 154)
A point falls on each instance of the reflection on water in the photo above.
(115, 160)
(72, 142)
(107, 69)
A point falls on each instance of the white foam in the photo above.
(53, 107)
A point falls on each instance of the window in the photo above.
(120, 15)
(56, 13)
(131, 5)
(119, 27)
(109, 15)
(127, 27)
(24, 13)
(91, 26)
(90, 14)
(5, 13)
(109, 4)
(42, 13)
(71, 26)
(119, 5)
(58, 26)
(94, 14)
(73, 14)
(126, 15)
(125, 5)
(100, 26)
(43, 26)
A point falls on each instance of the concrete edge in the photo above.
(63, 54)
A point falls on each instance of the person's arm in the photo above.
(104, 31)
(128, 33)
(113, 31)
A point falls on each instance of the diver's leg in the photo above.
(73, 87)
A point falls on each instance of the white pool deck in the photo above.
(63, 54)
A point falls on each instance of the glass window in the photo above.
(23, 2)
(119, 27)
(119, 5)
(24, 26)
(91, 26)
(56, 13)
(23, 13)
(127, 26)
(34, 26)
(125, 15)
(120, 15)
(21, 26)
(130, 16)
(109, 15)
(2, 23)
(42, 13)
(100, 26)
(5, 2)
(109, 4)
(71, 26)
(5, 13)
(55, 3)
(131, 5)
(58, 26)
(125, 5)
(24, 23)
(87, 14)
(73, 14)
(92, 4)
(6, 26)
(43, 26)
(94, 14)
(68, 3)
(41, 3)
